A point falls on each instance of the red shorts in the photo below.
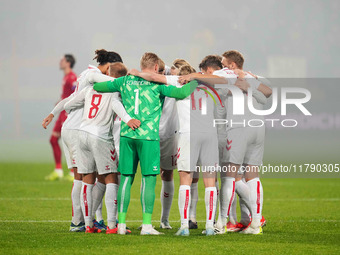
(60, 121)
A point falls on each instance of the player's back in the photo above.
(98, 114)
(143, 101)
(196, 112)
(74, 118)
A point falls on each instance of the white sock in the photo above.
(60, 172)
(255, 201)
(86, 203)
(77, 214)
(111, 204)
(184, 198)
(210, 206)
(242, 189)
(232, 213)
(227, 195)
(167, 194)
(245, 213)
(218, 197)
(99, 213)
(97, 196)
(194, 200)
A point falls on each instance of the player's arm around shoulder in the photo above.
(109, 86)
(179, 92)
(93, 77)
(153, 77)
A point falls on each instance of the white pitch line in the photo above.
(335, 199)
(173, 221)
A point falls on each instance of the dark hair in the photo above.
(213, 61)
(69, 58)
(103, 57)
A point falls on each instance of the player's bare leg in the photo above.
(193, 201)
(167, 194)
(255, 201)
(184, 198)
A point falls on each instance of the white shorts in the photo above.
(70, 140)
(245, 146)
(197, 149)
(96, 154)
(222, 142)
(168, 148)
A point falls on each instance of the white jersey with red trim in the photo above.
(196, 112)
(98, 114)
(75, 116)
(237, 121)
(168, 124)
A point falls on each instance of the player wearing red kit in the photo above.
(68, 86)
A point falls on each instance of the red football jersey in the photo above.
(69, 84)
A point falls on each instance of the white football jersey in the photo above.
(238, 121)
(196, 112)
(168, 124)
(75, 116)
(99, 111)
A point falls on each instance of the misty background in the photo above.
(279, 39)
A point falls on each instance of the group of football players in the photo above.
(163, 118)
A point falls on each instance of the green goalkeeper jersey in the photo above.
(143, 100)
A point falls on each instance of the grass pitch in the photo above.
(302, 217)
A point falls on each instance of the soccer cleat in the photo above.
(92, 230)
(220, 231)
(115, 231)
(252, 230)
(102, 223)
(183, 232)
(210, 232)
(54, 176)
(165, 225)
(192, 224)
(149, 230)
(69, 178)
(77, 228)
(99, 226)
(263, 222)
(233, 227)
(121, 229)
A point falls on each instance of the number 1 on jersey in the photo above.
(136, 100)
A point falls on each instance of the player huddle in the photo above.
(162, 119)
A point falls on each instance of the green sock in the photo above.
(147, 218)
(121, 217)
(123, 196)
(147, 196)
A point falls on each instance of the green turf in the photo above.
(302, 214)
